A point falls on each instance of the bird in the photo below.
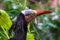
(19, 27)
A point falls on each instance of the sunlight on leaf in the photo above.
(5, 22)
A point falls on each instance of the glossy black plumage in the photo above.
(19, 28)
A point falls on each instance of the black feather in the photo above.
(19, 28)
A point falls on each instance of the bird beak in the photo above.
(41, 12)
(36, 13)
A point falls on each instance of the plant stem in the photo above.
(25, 3)
(5, 32)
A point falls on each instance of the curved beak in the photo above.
(36, 13)
(41, 12)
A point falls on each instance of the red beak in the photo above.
(41, 12)
(36, 13)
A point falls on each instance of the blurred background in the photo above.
(44, 27)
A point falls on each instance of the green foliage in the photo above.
(14, 7)
(30, 36)
(5, 24)
(49, 23)
(5, 20)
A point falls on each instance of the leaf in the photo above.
(5, 24)
(30, 36)
(5, 21)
